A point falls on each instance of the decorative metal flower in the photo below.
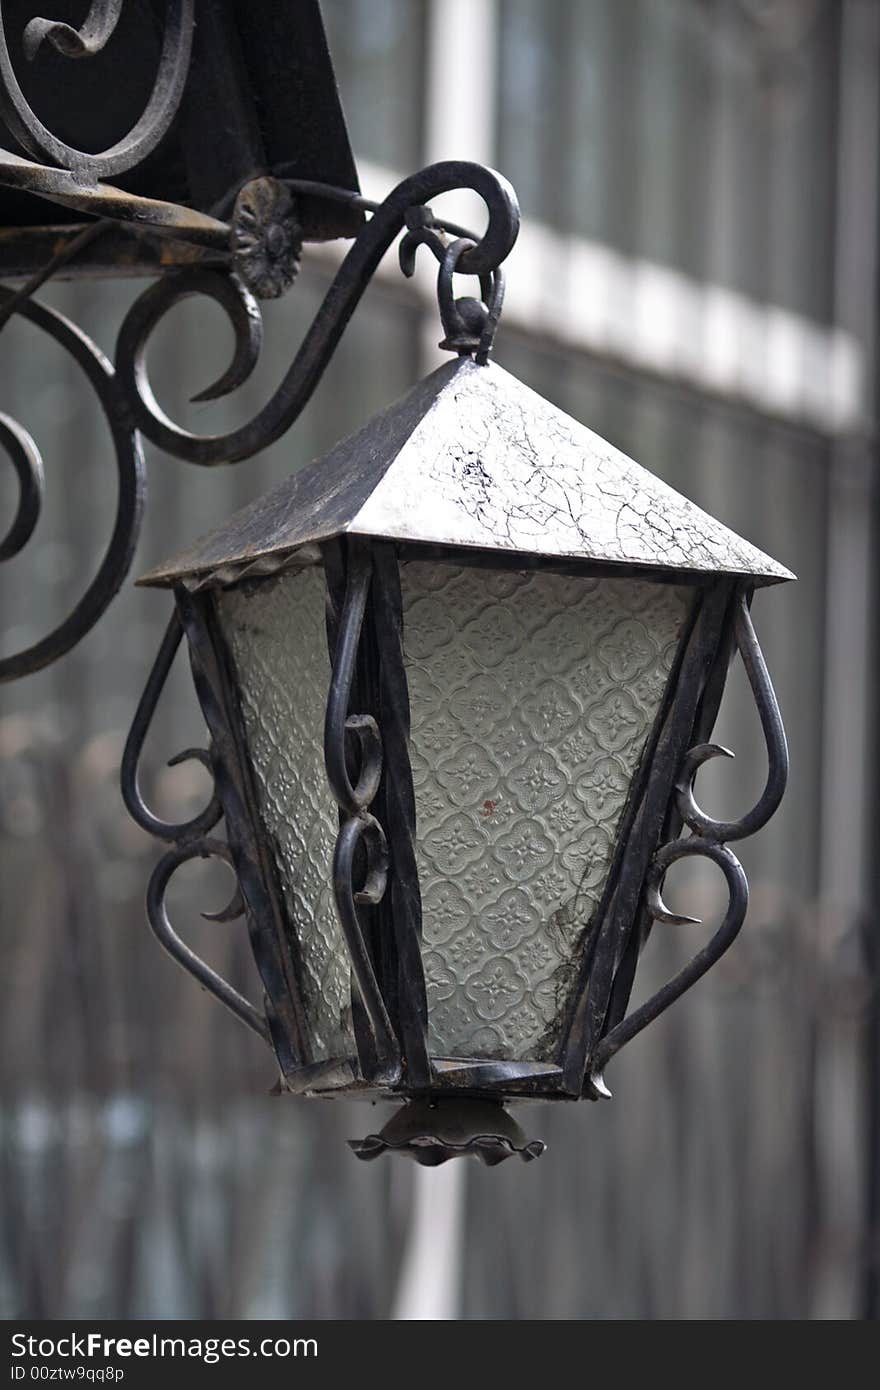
(266, 238)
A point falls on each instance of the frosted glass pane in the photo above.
(532, 696)
(275, 630)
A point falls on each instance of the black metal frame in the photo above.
(377, 891)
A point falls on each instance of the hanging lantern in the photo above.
(459, 676)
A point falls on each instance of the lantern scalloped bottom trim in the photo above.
(434, 1131)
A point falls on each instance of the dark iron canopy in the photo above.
(221, 152)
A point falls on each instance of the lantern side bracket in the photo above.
(641, 830)
(181, 831)
(723, 938)
(190, 841)
(706, 840)
(157, 914)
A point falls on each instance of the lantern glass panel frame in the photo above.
(604, 970)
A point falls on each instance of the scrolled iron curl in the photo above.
(359, 830)
(181, 831)
(157, 914)
(94, 32)
(707, 840)
(26, 460)
(738, 889)
(774, 739)
(364, 830)
(99, 24)
(390, 218)
(28, 465)
(191, 841)
(338, 723)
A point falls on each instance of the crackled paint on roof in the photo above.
(473, 458)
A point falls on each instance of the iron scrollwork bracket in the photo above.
(126, 395)
(471, 256)
(708, 840)
(189, 840)
(27, 463)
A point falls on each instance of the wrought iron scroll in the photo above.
(190, 841)
(127, 397)
(74, 178)
(147, 131)
(774, 737)
(707, 841)
(26, 461)
(179, 831)
(90, 38)
(157, 914)
(353, 759)
(28, 465)
(480, 257)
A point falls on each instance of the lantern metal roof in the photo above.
(471, 458)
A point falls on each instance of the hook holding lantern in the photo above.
(479, 256)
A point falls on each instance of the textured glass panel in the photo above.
(532, 696)
(275, 630)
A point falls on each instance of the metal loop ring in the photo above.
(464, 320)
